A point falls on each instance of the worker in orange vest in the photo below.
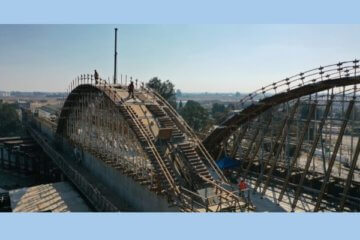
(242, 187)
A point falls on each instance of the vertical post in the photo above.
(2, 156)
(115, 57)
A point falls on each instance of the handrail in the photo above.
(149, 142)
(342, 69)
(193, 135)
(222, 188)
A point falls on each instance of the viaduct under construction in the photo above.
(296, 140)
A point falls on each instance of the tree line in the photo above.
(198, 117)
(10, 124)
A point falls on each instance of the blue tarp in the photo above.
(227, 163)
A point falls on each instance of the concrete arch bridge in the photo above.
(136, 154)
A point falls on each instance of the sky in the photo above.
(196, 58)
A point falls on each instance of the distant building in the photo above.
(4, 94)
(23, 103)
(34, 106)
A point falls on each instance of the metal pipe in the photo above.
(115, 57)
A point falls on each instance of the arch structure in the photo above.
(298, 139)
(145, 139)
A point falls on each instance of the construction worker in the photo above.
(131, 90)
(242, 188)
(96, 76)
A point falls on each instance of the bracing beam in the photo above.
(257, 147)
(278, 151)
(297, 150)
(273, 150)
(350, 176)
(333, 156)
(238, 140)
(312, 151)
(254, 136)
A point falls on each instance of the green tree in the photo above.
(218, 111)
(10, 124)
(218, 108)
(230, 107)
(165, 89)
(195, 115)
(180, 105)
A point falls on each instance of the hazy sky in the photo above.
(196, 58)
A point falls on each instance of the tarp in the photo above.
(227, 163)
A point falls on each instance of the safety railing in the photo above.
(190, 133)
(340, 70)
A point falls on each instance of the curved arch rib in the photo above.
(226, 128)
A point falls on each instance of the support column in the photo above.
(279, 148)
(2, 156)
(311, 153)
(257, 147)
(273, 150)
(297, 150)
(252, 141)
(350, 176)
(17, 165)
(333, 156)
(237, 141)
(9, 158)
